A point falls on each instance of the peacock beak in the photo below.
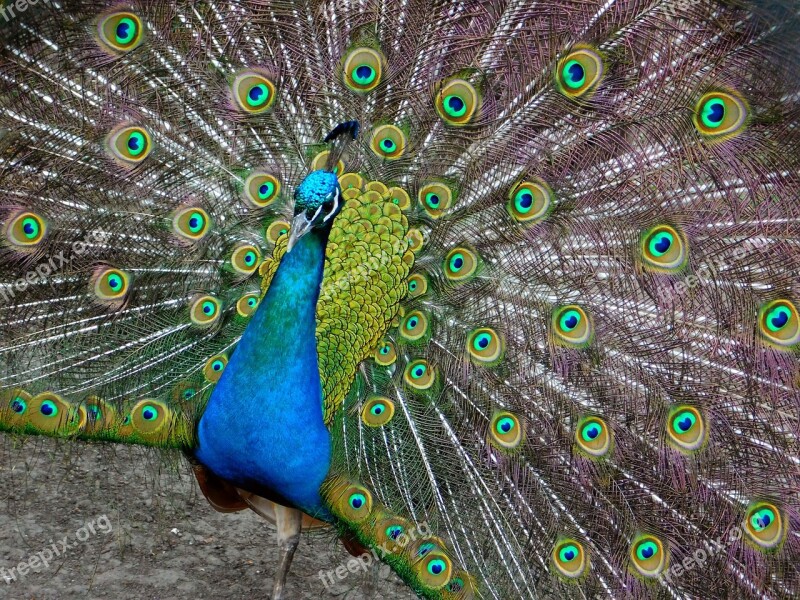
(301, 225)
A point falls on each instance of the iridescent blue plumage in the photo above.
(263, 428)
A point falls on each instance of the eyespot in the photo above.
(185, 393)
(505, 431)
(390, 532)
(417, 285)
(720, 115)
(100, 415)
(460, 264)
(457, 102)
(191, 223)
(205, 310)
(385, 354)
(352, 502)
(388, 142)
(245, 259)
(571, 326)
(779, 323)
(254, 93)
(399, 197)
(764, 525)
(529, 202)
(377, 411)
(648, 556)
(419, 374)
(686, 428)
(461, 586)
(569, 558)
(214, 367)
(579, 72)
(276, 229)
(664, 249)
(434, 570)
(247, 305)
(415, 327)
(593, 436)
(261, 189)
(363, 69)
(26, 229)
(49, 412)
(415, 240)
(149, 416)
(120, 32)
(435, 199)
(485, 346)
(130, 144)
(14, 407)
(111, 285)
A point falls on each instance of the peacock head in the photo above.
(317, 200)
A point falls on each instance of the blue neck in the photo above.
(263, 427)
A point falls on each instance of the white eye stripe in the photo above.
(335, 206)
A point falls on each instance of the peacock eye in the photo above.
(205, 310)
(130, 144)
(253, 92)
(377, 411)
(571, 326)
(764, 525)
(435, 199)
(593, 437)
(663, 249)
(779, 323)
(648, 556)
(363, 69)
(506, 431)
(720, 115)
(686, 428)
(570, 558)
(579, 72)
(111, 284)
(457, 102)
(120, 32)
(26, 230)
(388, 142)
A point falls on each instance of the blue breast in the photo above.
(263, 427)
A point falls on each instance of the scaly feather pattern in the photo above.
(558, 322)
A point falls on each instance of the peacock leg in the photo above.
(289, 522)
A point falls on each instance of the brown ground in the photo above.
(165, 541)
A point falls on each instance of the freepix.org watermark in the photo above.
(42, 559)
(52, 265)
(365, 561)
(12, 9)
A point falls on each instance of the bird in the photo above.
(504, 292)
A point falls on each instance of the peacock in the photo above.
(504, 292)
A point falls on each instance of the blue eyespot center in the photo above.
(570, 320)
(574, 74)
(18, 405)
(357, 501)
(48, 408)
(436, 567)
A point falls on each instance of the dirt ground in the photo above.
(137, 526)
